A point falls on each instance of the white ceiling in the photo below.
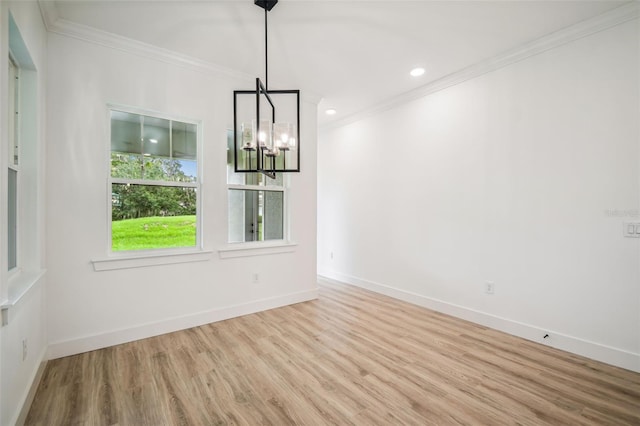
(354, 54)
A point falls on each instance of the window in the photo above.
(23, 148)
(14, 169)
(256, 204)
(154, 182)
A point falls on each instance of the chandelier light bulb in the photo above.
(248, 144)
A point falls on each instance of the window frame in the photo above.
(266, 187)
(197, 185)
(14, 145)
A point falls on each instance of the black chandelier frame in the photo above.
(265, 160)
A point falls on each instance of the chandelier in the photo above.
(266, 123)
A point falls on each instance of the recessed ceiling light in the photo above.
(331, 111)
(417, 72)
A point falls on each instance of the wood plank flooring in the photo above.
(349, 358)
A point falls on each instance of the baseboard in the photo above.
(592, 350)
(116, 337)
(21, 416)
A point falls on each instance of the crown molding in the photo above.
(56, 25)
(617, 16)
(103, 38)
(620, 15)
(49, 12)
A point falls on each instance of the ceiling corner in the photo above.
(49, 12)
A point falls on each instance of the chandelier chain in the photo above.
(266, 55)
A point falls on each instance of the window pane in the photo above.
(13, 219)
(184, 148)
(14, 146)
(151, 148)
(126, 165)
(188, 170)
(236, 217)
(255, 215)
(149, 217)
(272, 215)
(232, 177)
(131, 166)
(156, 140)
(184, 139)
(126, 133)
(168, 169)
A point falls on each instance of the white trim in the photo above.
(49, 13)
(257, 248)
(179, 184)
(63, 27)
(19, 285)
(593, 350)
(93, 35)
(624, 13)
(242, 187)
(115, 337)
(15, 141)
(131, 109)
(580, 30)
(22, 283)
(149, 258)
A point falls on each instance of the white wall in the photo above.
(89, 309)
(24, 293)
(523, 177)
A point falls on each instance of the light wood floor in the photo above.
(349, 358)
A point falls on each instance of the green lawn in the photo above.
(153, 232)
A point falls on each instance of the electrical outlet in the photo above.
(255, 278)
(24, 349)
(489, 287)
(631, 229)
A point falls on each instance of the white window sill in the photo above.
(258, 248)
(149, 259)
(19, 284)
